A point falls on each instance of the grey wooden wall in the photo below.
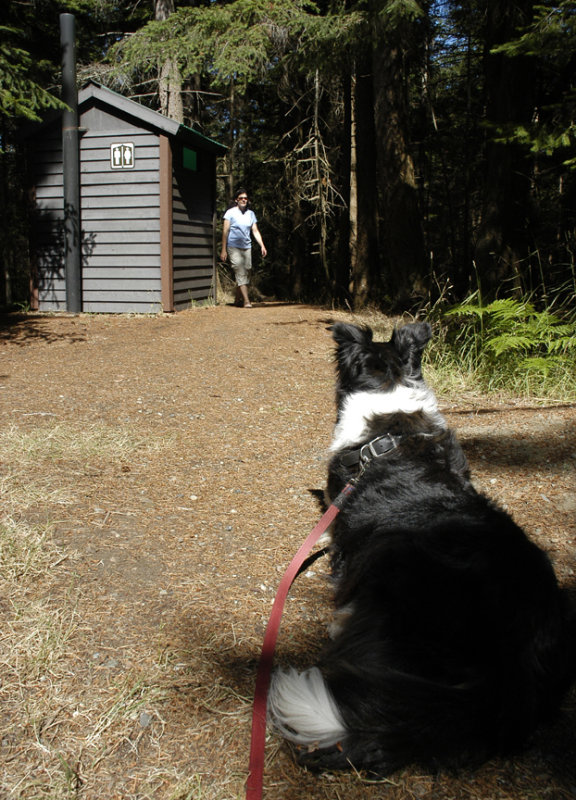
(47, 234)
(120, 232)
(120, 218)
(193, 250)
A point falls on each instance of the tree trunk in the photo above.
(296, 256)
(170, 91)
(169, 77)
(320, 181)
(363, 229)
(342, 249)
(402, 238)
(503, 241)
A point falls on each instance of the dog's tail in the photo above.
(303, 710)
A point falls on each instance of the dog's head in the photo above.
(366, 365)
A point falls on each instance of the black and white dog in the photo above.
(452, 639)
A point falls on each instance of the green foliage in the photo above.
(509, 345)
(20, 95)
(394, 12)
(240, 42)
(553, 31)
(550, 40)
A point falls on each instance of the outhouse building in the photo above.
(147, 209)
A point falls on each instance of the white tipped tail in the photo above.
(303, 709)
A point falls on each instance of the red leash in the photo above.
(258, 741)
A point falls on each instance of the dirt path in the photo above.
(209, 434)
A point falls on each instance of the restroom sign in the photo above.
(122, 155)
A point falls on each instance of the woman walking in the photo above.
(239, 223)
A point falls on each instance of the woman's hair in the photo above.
(240, 190)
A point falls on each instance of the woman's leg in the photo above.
(241, 261)
(244, 294)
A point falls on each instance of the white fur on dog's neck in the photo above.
(360, 408)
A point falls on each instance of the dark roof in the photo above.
(95, 92)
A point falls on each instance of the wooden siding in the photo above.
(192, 231)
(166, 257)
(47, 223)
(120, 219)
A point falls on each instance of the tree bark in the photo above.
(342, 249)
(503, 241)
(402, 238)
(364, 264)
(169, 77)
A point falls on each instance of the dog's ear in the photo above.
(353, 353)
(409, 341)
(342, 333)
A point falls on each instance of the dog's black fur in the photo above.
(456, 641)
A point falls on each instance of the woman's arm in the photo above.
(258, 236)
(225, 232)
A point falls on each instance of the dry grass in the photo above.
(58, 714)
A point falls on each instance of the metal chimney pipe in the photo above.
(71, 166)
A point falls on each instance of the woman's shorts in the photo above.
(241, 263)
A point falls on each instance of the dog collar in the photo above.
(381, 446)
(378, 447)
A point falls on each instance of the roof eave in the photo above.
(148, 116)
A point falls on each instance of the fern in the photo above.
(509, 342)
(511, 345)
